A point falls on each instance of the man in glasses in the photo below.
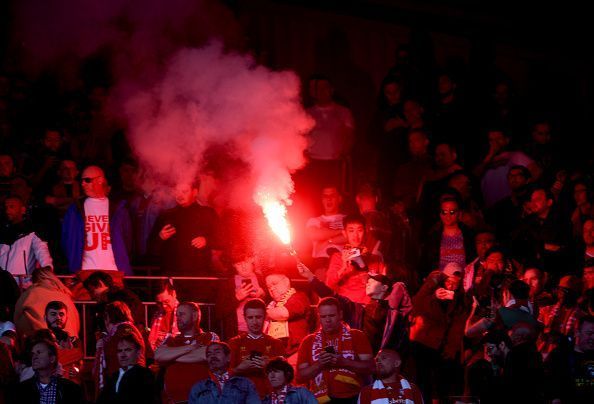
(96, 231)
(449, 241)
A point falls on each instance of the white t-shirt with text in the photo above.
(97, 253)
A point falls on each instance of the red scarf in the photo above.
(279, 397)
(319, 384)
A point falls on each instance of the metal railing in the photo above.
(82, 306)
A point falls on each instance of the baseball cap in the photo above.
(453, 268)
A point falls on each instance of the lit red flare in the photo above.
(276, 214)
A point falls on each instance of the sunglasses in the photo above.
(449, 212)
(88, 180)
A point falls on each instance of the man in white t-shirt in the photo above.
(325, 231)
(96, 233)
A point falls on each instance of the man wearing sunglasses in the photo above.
(96, 231)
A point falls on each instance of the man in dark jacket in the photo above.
(45, 386)
(132, 383)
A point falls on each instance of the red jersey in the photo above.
(241, 348)
(336, 385)
(180, 377)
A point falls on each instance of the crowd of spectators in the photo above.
(460, 268)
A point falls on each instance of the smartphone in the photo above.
(330, 349)
(255, 354)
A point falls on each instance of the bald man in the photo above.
(390, 386)
(97, 233)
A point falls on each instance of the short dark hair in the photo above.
(497, 249)
(165, 285)
(226, 348)
(496, 337)
(51, 345)
(254, 304)
(541, 187)
(353, 218)
(118, 312)
(519, 289)
(329, 301)
(55, 305)
(133, 338)
(96, 278)
(319, 77)
(279, 363)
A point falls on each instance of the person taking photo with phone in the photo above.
(335, 360)
(251, 350)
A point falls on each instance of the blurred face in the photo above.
(52, 140)
(516, 179)
(321, 91)
(585, 337)
(392, 92)
(244, 268)
(588, 232)
(495, 262)
(6, 166)
(218, 360)
(412, 111)
(68, 171)
(374, 288)
(277, 378)
(93, 182)
(533, 278)
(449, 214)
(498, 140)
(444, 156)
(493, 353)
(539, 202)
(580, 194)
(483, 242)
(541, 133)
(128, 353)
(387, 363)
(99, 291)
(366, 202)
(166, 300)
(417, 144)
(186, 319)
(354, 233)
(15, 210)
(501, 93)
(255, 320)
(331, 200)
(588, 278)
(461, 183)
(128, 175)
(277, 286)
(445, 85)
(185, 195)
(330, 318)
(453, 282)
(41, 358)
(56, 319)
